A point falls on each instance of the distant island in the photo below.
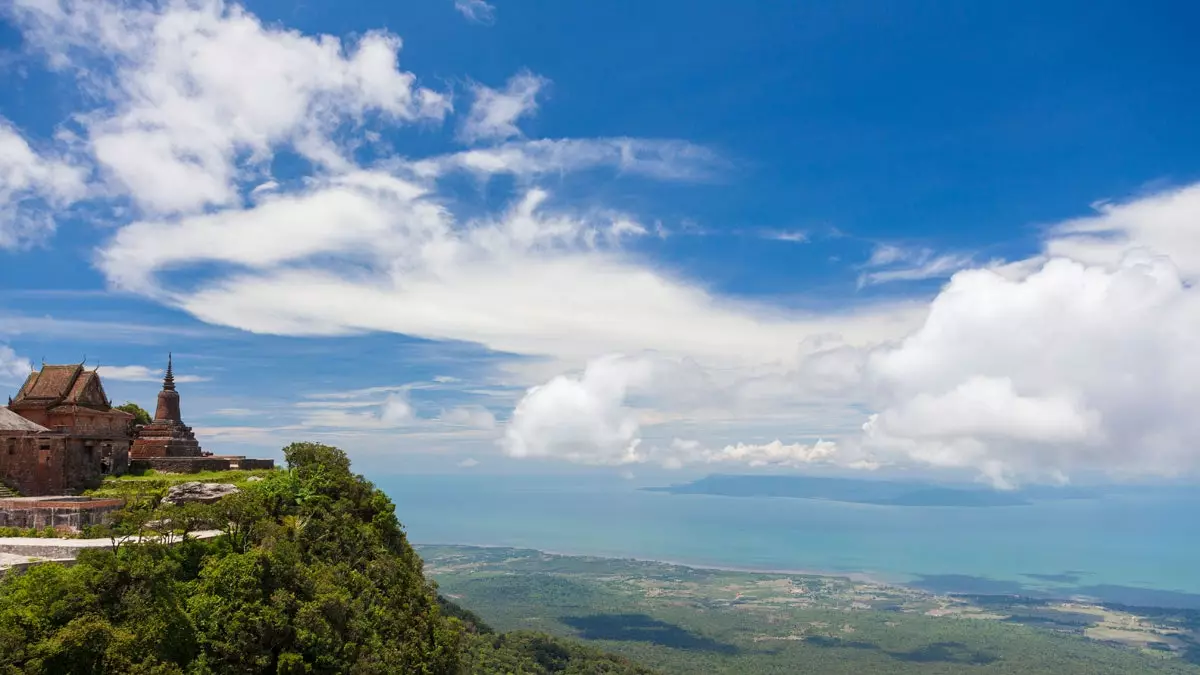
(856, 491)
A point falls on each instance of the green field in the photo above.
(687, 620)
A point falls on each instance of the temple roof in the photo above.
(11, 421)
(62, 385)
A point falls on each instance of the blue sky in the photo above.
(953, 238)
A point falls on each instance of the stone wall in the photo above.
(54, 464)
(198, 464)
(61, 513)
(33, 464)
(248, 464)
(181, 464)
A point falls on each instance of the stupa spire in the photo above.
(169, 380)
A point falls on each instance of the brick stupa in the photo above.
(167, 435)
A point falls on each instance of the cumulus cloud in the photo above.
(13, 368)
(1072, 368)
(591, 418)
(31, 186)
(494, 114)
(1166, 222)
(1035, 370)
(478, 11)
(195, 86)
(582, 419)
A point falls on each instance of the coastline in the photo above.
(1143, 596)
(857, 577)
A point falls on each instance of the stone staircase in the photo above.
(7, 492)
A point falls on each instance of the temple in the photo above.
(61, 434)
(167, 435)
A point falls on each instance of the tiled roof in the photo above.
(11, 421)
(61, 385)
(52, 383)
(88, 390)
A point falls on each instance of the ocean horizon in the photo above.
(1133, 547)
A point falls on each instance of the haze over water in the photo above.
(1121, 547)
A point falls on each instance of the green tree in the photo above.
(140, 415)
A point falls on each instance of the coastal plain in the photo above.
(683, 619)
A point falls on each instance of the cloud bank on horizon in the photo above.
(1078, 360)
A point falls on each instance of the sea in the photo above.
(1135, 547)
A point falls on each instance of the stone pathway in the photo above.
(26, 550)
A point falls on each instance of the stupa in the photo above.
(167, 435)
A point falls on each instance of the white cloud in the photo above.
(469, 463)
(776, 454)
(581, 419)
(478, 11)
(494, 114)
(196, 86)
(1035, 370)
(792, 236)
(1167, 223)
(475, 417)
(393, 412)
(528, 159)
(234, 412)
(407, 267)
(1073, 368)
(903, 264)
(13, 368)
(31, 186)
(1077, 360)
(143, 374)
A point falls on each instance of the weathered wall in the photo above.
(83, 422)
(33, 463)
(52, 464)
(180, 464)
(62, 514)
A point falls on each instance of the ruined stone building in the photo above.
(60, 434)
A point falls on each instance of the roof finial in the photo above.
(169, 380)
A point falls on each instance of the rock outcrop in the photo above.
(205, 493)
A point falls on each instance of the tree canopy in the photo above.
(140, 414)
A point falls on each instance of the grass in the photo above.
(155, 481)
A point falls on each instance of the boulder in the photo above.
(205, 493)
(254, 479)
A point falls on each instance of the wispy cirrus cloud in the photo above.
(144, 374)
(477, 11)
(890, 263)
